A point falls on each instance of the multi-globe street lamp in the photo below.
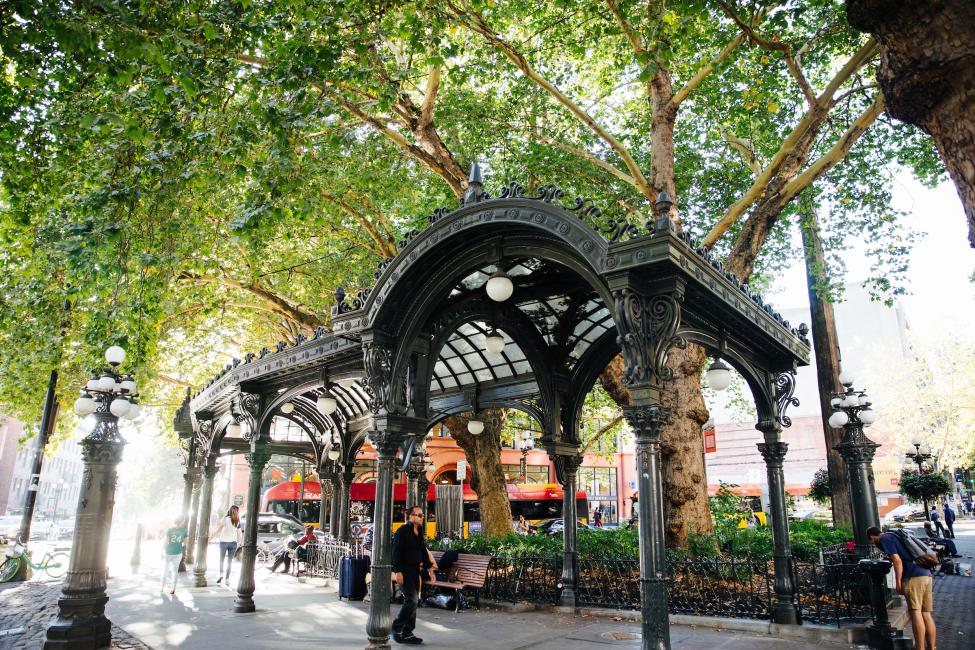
(853, 412)
(919, 456)
(107, 396)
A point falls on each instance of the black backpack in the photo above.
(920, 554)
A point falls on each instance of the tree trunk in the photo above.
(827, 350)
(927, 73)
(686, 507)
(483, 453)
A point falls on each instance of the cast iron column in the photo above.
(335, 507)
(257, 459)
(567, 469)
(423, 487)
(203, 527)
(81, 622)
(773, 450)
(345, 533)
(413, 471)
(187, 494)
(857, 451)
(647, 422)
(379, 624)
(326, 484)
(188, 549)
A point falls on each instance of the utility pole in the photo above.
(827, 353)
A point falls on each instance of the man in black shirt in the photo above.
(409, 555)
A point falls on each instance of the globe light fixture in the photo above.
(475, 427)
(84, 405)
(107, 384)
(326, 405)
(134, 411)
(119, 407)
(333, 453)
(718, 375)
(494, 342)
(127, 385)
(287, 408)
(499, 286)
(838, 419)
(868, 417)
(114, 355)
(846, 377)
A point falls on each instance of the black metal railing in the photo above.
(528, 578)
(827, 593)
(726, 587)
(611, 583)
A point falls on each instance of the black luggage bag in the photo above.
(352, 577)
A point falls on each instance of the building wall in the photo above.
(10, 432)
(60, 482)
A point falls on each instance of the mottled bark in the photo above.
(686, 507)
(827, 349)
(927, 73)
(483, 454)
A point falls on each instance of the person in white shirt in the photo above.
(228, 533)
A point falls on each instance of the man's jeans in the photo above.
(406, 620)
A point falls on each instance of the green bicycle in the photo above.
(54, 563)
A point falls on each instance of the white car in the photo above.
(9, 527)
(904, 513)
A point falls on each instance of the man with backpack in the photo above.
(913, 580)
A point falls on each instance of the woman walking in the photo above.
(173, 552)
(228, 534)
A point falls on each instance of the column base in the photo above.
(887, 638)
(785, 614)
(568, 598)
(81, 625)
(378, 645)
(244, 604)
(199, 580)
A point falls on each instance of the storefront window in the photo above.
(600, 486)
(536, 473)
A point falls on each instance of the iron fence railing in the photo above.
(324, 558)
(727, 587)
(827, 593)
(530, 578)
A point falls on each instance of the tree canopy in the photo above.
(199, 177)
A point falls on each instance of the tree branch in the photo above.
(775, 46)
(384, 247)
(585, 155)
(475, 22)
(628, 31)
(599, 434)
(702, 74)
(430, 97)
(837, 152)
(279, 304)
(744, 147)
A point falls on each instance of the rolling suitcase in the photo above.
(352, 577)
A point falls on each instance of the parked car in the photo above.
(554, 526)
(905, 513)
(272, 528)
(815, 514)
(66, 528)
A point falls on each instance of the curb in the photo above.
(898, 614)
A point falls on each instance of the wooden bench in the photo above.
(471, 573)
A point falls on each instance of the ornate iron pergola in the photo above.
(411, 351)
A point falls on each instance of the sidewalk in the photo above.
(308, 614)
(954, 596)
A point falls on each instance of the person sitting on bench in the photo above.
(949, 544)
(296, 545)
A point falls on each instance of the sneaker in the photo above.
(220, 579)
(411, 640)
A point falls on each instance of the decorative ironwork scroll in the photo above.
(378, 362)
(647, 330)
(785, 387)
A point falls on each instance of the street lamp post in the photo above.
(919, 457)
(81, 622)
(525, 443)
(853, 412)
(57, 499)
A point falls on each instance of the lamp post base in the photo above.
(81, 625)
